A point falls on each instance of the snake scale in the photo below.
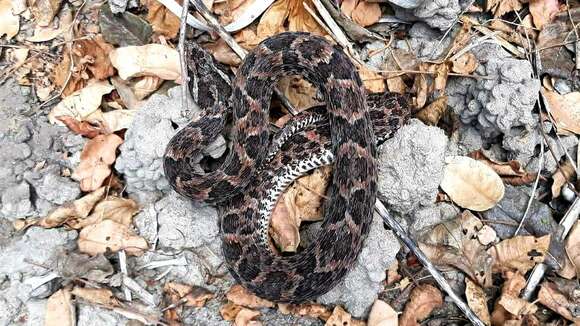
(257, 167)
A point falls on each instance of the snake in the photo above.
(247, 181)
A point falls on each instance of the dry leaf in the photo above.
(565, 109)
(109, 236)
(517, 306)
(78, 209)
(313, 310)
(423, 299)
(60, 311)
(511, 172)
(245, 318)
(372, 81)
(102, 297)
(520, 253)
(81, 103)
(433, 112)
(9, 23)
(222, 52)
(382, 314)
(190, 296)
(550, 297)
(96, 159)
(454, 242)
(512, 287)
(241, 296)
(465, 64)
(82, 128)
(366, 13)
(501, 7)
(162, 20)
(422, 89)
(229, 311)
(339, 317)
(477, 300)
(572, 254)
(471, 184)
(543, 10)
(393, 275)
(113, 120)
(147, 60)
(145, 86)
(300, 93)
(562, 176)
(93, 54)
(301, 202)
(347, 6)
(117, 209)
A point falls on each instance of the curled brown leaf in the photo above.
(423, 299)
(96, 158)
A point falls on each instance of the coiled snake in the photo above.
(256, 169)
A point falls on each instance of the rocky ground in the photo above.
(496, 113)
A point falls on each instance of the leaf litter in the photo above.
(107, 68)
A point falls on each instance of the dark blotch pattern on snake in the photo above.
(258, 167)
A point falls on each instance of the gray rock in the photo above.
(16, 202)
(433, 215)
(20, 264)
(440, 14)
(426, 42)
(500, 104)
(91, 315)
(57, 189)
(141, 154)
(362, 284)
(411, 167)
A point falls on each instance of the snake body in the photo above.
(257, 167)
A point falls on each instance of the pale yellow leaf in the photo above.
(109, 236)
(382, 314)
(9, 23)
(147, 60)
(519, 253)
(81, 103)
(477, 300)
(60, 311)
(565, 109)
(471, 184)
(366, 13)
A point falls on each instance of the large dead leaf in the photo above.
(423, 299)
(47, 33)
(222, 52)
(465, 64)
(284, 13)
(572, 254)
(551, 297)
(229, 311)
(372, 81)
(9, 23)
(96, 159)
(455, 243)
(109, 236)
(98, 296)
(501, 7)
(81, 103)
(543, 10)
(147, 60)
(45, 10)
(565, 109)
(366, 13)
(382, 314)
(94, 55)
(300, 93)
(60, 311)
(242, 297)
(162, 20)
(78, 209)
(471, 184)
(477, 300)
(178, 295)
(511, 288)
(301, 202)
(117, 209)
(519, 253)
(511, 172)
(112, 121)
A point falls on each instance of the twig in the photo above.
(577, 44)
(402, 72)
(540, 269)
(486, 31)
(181, 49)
(402, 235)
(215, 25)
(337, 33)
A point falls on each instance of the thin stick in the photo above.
(402, 235)
(215, 25)
(539, 270)
(181, 48)
(577, 44)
